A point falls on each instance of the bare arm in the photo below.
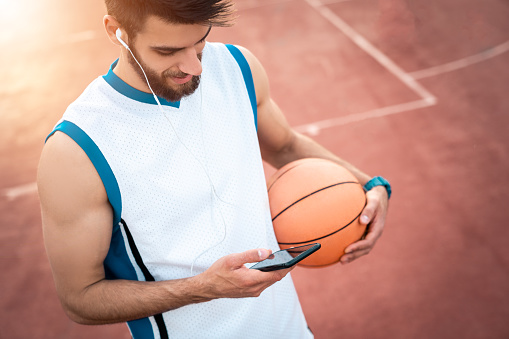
(77, 226)
(280, 144)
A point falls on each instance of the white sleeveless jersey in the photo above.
(160, 174)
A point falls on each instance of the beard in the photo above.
(159, 83)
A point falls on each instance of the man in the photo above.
(152, 204)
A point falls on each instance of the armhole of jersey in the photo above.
(248, 79)
(100, 163)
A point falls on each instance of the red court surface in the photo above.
(415, 91)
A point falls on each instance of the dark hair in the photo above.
(131, 14)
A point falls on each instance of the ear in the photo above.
(111, 25)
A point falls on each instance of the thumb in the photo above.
(368, 212)
(250, 256)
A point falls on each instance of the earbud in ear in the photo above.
(118, 33)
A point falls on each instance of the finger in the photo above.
(255, 255)
(279, 274)
(369, 211)
(365, 245)
(359, 246)
(362, 246)
(259, 280)
(348, 258)
(374, 232)
(283, 273)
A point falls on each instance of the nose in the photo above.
(190, 63)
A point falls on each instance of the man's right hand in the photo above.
(228, 277)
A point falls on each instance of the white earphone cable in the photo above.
(215, 195)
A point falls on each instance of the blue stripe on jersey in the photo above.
(248, 78)
(123, 88)
(116, 264)
(100, 163)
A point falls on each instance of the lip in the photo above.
(183, 80)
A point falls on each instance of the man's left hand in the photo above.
(373, 216)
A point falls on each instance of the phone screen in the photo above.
(286, 258)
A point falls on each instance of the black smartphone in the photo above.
(286, 258)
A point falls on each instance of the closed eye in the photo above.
(165, 53)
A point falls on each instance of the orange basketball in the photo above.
(316, 200)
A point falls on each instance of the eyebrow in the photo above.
(169, 49)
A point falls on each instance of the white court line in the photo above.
(409, 79)
(427, 100)
(18, 191)
(315, 127)
(462, 63)
(375, 53)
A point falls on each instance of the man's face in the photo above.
(170, 55)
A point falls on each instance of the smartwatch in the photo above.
(378, 181)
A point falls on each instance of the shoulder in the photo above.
(62, 149)
(260, 78)
(255, 65)
(67, 179)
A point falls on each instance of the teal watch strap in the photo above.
(379, 181)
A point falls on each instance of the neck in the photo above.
(124, 70)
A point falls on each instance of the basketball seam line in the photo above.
(287, 170)
(325, 236)
(310, 194)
